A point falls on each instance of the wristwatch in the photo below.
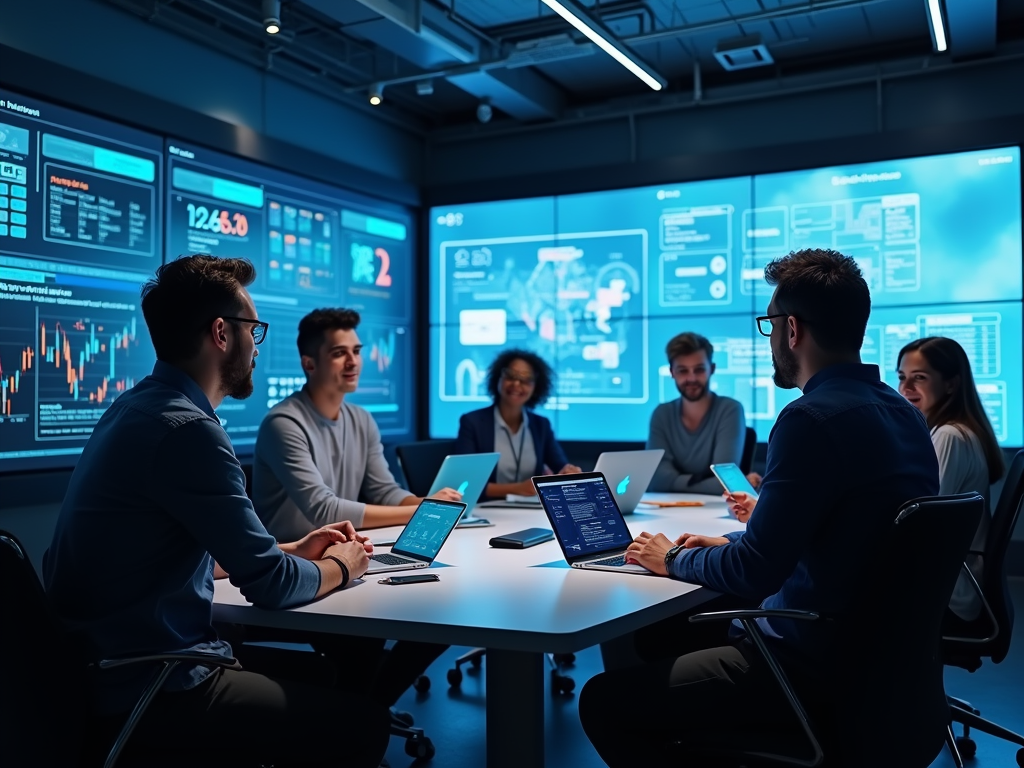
(671, 555)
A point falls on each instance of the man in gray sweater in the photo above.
(316, 455)
(700, 428)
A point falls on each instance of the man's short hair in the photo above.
(186, 295)
(826, 290)
(686, 344)
(314, 327)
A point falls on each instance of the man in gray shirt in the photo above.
(318, 458)
(700, 428)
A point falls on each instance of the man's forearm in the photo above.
(378, 516)
(330, 576)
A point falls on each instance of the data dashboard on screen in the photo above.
(80, 231)
(598, 283)
(313, 246)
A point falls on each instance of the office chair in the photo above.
(45, 684)
(889, 641)
(421, 461)
(749, 444)
(989, 634)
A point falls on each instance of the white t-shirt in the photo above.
(963, 468)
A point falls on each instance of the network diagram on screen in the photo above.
(598, 283)
(89, 209)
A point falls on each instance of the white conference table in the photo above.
(519, 604)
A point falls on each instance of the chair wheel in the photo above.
(420, 748)
(565, 658)
(405, 718)
(455, 677)
(1020, 758)
(476, 661)
(561, 684)
(422, 684)
(967, 747)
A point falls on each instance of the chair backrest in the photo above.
(749, 444)
(888, 661)
(43, 682)
(421, 462)
(994, 586)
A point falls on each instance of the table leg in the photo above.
(515, 709)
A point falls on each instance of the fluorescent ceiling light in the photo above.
(600, 37)
(938, 31)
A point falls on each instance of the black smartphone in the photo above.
(412, 578)
(523, 539)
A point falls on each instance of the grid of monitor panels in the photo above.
(89, 209)
(598, 283)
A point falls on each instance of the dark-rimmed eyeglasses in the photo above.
(767, 319)
(259, 328)
(510, 375)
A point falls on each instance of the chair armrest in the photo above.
(202, 657)
(964, 570)
(757, 613)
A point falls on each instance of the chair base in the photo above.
(969, 717)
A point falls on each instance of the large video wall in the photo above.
(90, 208)
(598, 283)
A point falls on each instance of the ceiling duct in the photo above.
(545, 50)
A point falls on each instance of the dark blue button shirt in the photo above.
(842, 459)
(157, 496)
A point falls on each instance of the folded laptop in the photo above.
(629, 473)
(587, 522)
(422, 538)
(468, 474)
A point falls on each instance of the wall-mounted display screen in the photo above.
(80, 231)
(598, 283)
(313, 246)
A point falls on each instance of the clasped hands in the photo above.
(339, 540)
(649, 549)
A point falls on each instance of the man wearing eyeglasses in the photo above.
(156, 510)
(698, 429)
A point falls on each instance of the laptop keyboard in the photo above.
(389, 559)
(614, 561)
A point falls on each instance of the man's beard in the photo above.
(786, 369)
(703, 390)
(236, 375)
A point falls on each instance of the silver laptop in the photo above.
(422, 538)
(467, 474)
(587, 522)
(629, 473)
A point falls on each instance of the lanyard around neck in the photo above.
(517, 456)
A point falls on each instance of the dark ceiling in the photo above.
(438, 60)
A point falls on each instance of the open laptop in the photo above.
(629, 473)
(587, 522)
(467, 474)
(422, 538)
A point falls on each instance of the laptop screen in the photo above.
(428, 529)
(584, 515)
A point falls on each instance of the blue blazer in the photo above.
(476, 435)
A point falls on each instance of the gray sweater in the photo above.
(718, 440)
(309, 471)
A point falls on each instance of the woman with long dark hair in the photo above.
(935, 375)
(518, 381)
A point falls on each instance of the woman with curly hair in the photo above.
(518, 381)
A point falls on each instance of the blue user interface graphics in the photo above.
(585, 516)
(429, 527)
(80, 231)
(313, 246)
(598, 283)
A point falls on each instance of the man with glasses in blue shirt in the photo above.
(803, 546)
(156, 510)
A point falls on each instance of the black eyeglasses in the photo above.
(767, 319)
(259, 328)
(509, 375)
